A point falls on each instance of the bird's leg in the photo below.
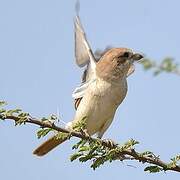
(85, 132)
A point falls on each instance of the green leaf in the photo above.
(153, 169)
(15, 111)
(2, 114)
(147, 64)
(93, 149)
(168, 65)
(84, 148)
(3, 103)
(61, 135)
(75, 156)
(43, 132)
(80, 125)
(2, 110)
(86, 157)
(174, 162)
(98, 162)
(128, 145)
(176, 158)
(147, 154)
(80, 143)
(23, 114)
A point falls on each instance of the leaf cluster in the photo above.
(21, 117)
(90, 149)
(96, 152)
(167, 65)
(172, 164)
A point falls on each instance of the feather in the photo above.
(83, 52)
(84, 57)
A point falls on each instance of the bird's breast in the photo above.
(100, 103)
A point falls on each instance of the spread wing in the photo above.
(83, 52)
(84, 57)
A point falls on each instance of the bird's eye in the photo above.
(125, 55)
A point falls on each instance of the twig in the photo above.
(134, 155)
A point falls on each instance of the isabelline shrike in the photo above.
(103, 89)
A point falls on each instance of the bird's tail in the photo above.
(48, 145)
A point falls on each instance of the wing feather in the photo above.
(83, 52)
(84, 57)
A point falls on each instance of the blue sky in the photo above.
(38, 74)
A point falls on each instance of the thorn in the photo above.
(58, 117)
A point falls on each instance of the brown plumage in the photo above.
(48, 145)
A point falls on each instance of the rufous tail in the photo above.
(48, 145)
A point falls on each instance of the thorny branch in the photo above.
(119, 152)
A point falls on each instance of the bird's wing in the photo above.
(84, 57)
(80, 90)
(83, 52)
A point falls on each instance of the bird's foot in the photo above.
(110, 143)
(85, 133)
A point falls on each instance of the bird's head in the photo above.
(115, 63)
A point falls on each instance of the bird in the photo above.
(102, 90)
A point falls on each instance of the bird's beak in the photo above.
(137, 57)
